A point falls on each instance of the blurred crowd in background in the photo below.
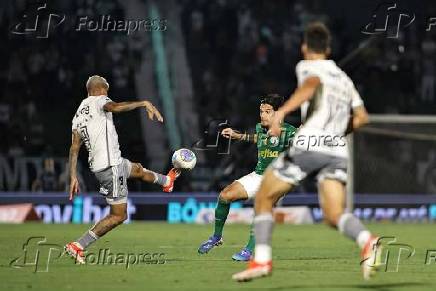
(236, 50)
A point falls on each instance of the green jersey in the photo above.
(269, 147)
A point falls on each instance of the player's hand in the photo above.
(152, 111)
(74, 187)
(229, 133)
(276, 123)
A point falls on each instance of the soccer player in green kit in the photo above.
(246, 187)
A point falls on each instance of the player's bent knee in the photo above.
(119, 219)
(226, 196)
(137, 170)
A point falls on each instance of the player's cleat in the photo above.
(254, 271)
(371, 257)
(75, 250)
(212, 242)
(172, 175)
(244, 255)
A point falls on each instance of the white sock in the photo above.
(341, 223)
(159, 178)
(362, 238)
(262, 254)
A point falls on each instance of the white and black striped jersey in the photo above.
(326, 115)
(98, 133)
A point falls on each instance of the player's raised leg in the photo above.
(116, 216)
(271, 189)
(229, 194)
(114, 181)
(166, 181)
(332, 200)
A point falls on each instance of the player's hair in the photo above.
(96, 82)
(317, 37)
(275, 100)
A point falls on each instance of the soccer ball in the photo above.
(184, 159)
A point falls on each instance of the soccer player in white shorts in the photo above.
(327, 97)
(93, 126)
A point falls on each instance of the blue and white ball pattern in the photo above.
(184, 159)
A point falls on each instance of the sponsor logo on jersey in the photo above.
(267, 153)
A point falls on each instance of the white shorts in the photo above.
(251, 183)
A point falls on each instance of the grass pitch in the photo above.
(311, 257)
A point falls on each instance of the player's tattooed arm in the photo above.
(131, 105)
(302, 94)
(76, 142)
(249, 137)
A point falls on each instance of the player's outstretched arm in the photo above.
(233, 134)
(116, 107)
(76, 142)
(302, 94)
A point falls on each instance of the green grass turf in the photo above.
(311, 257)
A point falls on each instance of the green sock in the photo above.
(221, 212)
(251, 241)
